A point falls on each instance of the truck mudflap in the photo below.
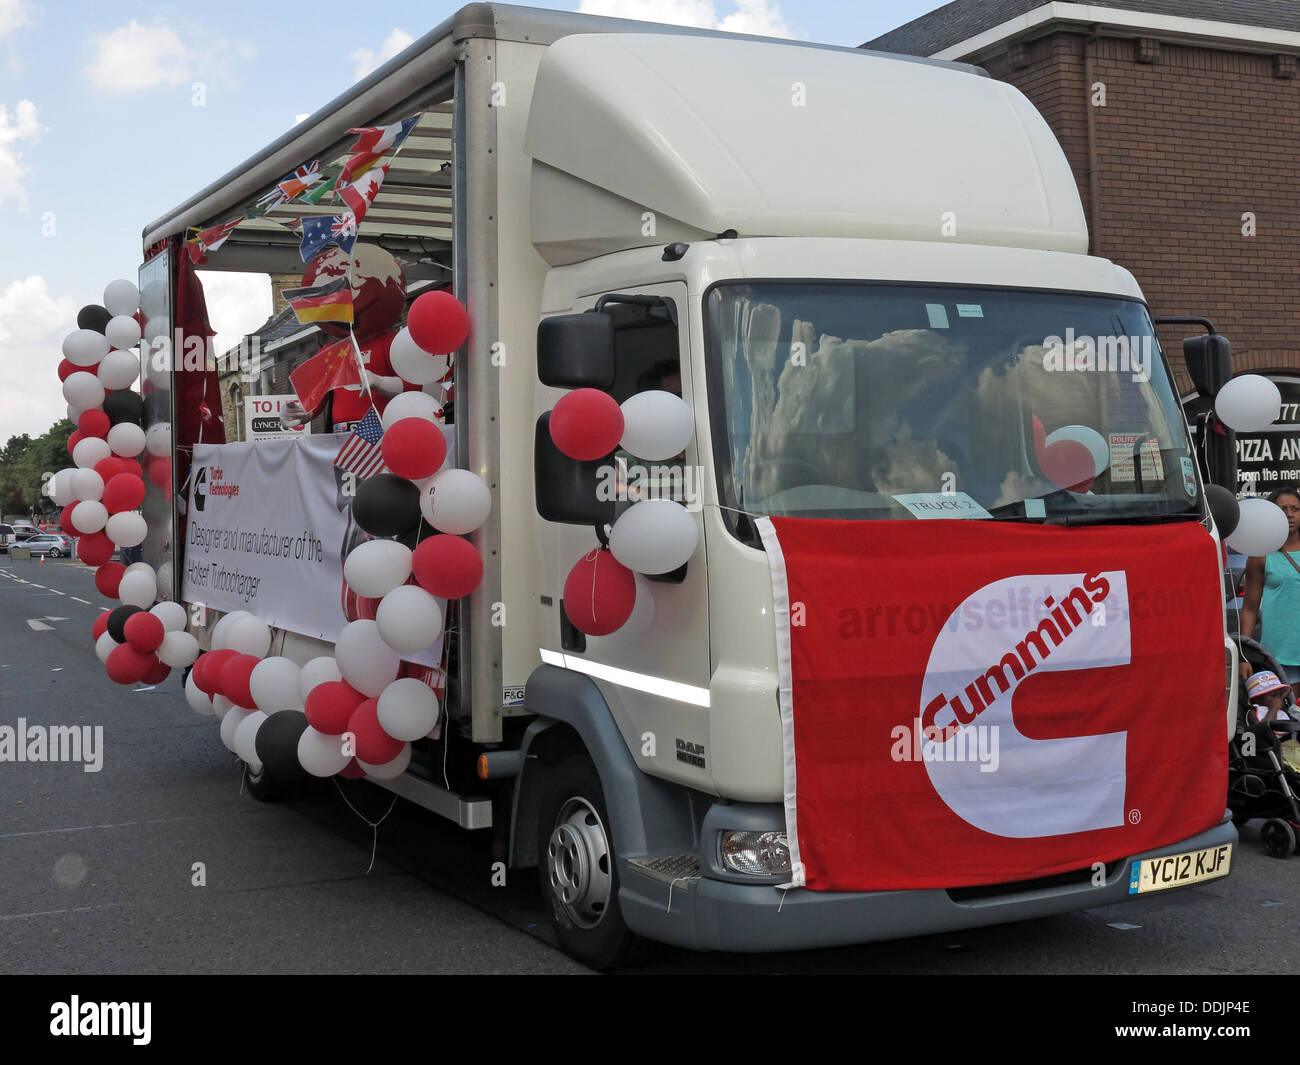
(701, 912)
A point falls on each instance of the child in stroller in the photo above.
(1261, 782)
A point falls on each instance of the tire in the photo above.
(54, 552)
(1278, 838)
(261, 786)
(578, 868)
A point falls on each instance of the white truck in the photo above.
(695, 209)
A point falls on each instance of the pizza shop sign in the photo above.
(1267, 459)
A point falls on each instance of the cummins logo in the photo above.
(1043, 787)
(201, 488)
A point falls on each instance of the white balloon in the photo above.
(127, 529)
(1244, 403)
(86, 484)
(123, 331)
(172, 616)
(389, 770)
(139, 567)
(158, 439)
(104, 646)
(90, 450)
(455, 501)
(274, 684)
(1089, 438)
(222, 705)
(245, 739)
(83, 390)
(198, 701)
(249, 635)
(89, 516)
(406, 405)
(656, 425)
(220, 628)
(408, 709)
(654, 536)
(138, 589)
(126, 439)
(409, 620)
(321, 755)
(365, 660)
(178, 650)
(231, 718)
(61, 487)
(85, 347)
(164, 578)
(121, 297)
(411, 363)
(317, 671)
(119, 369)
(1261, 529)
(375, 568)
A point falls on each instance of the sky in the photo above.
(112, 114)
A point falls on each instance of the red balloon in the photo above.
(439, 324)
(586, 424)
(126, 665)
(124, 492)
(159, 471)
(67, 369)
(74, 440)
(207, 670)
(236, 672)
(447, 566)
(94, 423)
(94, 549)
(100, 627)
(158, 674)
(144, 631)
(131, 466)
(109, 467)
(108, 577)
(599, 594)
(352, 771)
(65, 519)
(414, 448)
(329, 706)
(373, 744)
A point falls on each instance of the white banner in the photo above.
(268, 531)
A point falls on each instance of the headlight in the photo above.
(755, 853)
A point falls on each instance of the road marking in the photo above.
(57, 592)
(37, 626)
(76, 600)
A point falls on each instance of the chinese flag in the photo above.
(332, 367)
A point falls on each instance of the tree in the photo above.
(24, 465)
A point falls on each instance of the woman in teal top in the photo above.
(1273, 583)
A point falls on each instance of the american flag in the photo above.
(360, 455)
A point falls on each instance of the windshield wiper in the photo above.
(1120, 519)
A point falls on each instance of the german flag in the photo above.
(330, 302)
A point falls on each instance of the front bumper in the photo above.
(711, 914)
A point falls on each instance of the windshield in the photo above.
(884, 401)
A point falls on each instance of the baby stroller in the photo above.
(1260, 783)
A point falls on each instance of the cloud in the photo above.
(301, 117)
(761, 17)
(367, 59)
(33, 324)
(14, 15)
(20, 126)
(237, 304)
(133, 57)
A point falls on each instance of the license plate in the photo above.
(1179, 870)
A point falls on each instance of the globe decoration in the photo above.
(378, 288)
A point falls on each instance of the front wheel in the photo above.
(54, 552)
(260, 784)
(577, 867)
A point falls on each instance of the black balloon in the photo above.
(386, 505)
(157, 407)
(123, 405)
(117, 621)
(277, 744)
(93, 316)
(1224, 507)
(421, 530)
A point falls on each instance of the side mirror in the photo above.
(576, 351)
(1209, 362)
(565, 489)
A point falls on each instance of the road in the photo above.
(100, 871)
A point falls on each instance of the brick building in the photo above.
(1181, 122)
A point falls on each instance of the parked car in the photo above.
(53, 545)
(52, 528)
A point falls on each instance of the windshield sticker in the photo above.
(1189, 477)
(942, 505)
(1121, 458)
(970, 310)
(1035, 508)
(938, 315)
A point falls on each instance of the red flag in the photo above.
(904, 646)
(361, 194)
(356, 164)
(332, 367)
